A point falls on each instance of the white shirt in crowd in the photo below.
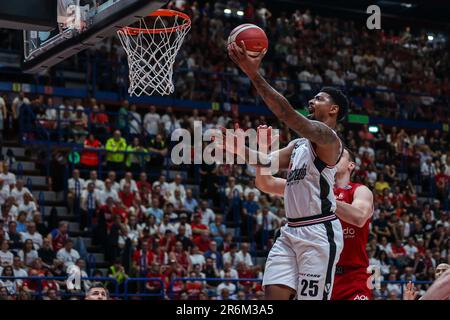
(151, 122)
(84, 198)
(30, 257)
(6, 258)
(29, 208)
(411, 250)
(4, 193)
(246, 258)
(171, 187)
(9, 178)
(72, 184)
(99, 184)
(208, 217)
(197, 259)
(254, 190)
(188, 228)
(35, 237)
(133, 185)
(233, 273)
(18, 194)
(268, 220)
(230, 286)
(135, 123)
(105, 194)
(228, 258)
(69, 258)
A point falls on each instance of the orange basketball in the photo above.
(254, 37)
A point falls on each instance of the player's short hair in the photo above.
(98, 285)
(338, 98)
(351, 154)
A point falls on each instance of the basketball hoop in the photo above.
(151, 49)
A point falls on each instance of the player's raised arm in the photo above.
(280, 106)
(360, 210)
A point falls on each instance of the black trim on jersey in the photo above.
(328, 279)
(324, 192)
(319, 164)
(303, 219)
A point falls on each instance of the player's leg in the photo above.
(317, 258)
(280, 275)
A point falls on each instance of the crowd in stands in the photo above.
(150, 225)
(306, 51)
(210, 221)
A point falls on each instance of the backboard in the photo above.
(72, 26)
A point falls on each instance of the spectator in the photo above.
(145, 189)
(136, 156)
(155, 211)
(90, 155)
(218, 230)
(208, 215)
(135, 121)
(128, 178)
(19, 191)
(46, 253)
(151, 122)
(60, 235)
(4, 192)
(28, 254)
(158, 147)
(196, 257)
(115, 147)
(243, 255)
(28, 206)
(93, 178)
(15, 239)
(231, 256)
(32, 234)
(190, 204)
(90, 201)
(8, 178)
(68, 255)
(6, 257)
(215, 255)
(108, 192)
(112, 177)
(226, 285)
(10, 285)
(75, 186)
(183, 238)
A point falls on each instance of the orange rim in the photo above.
(160, 13)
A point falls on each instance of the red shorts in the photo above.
(351, 285)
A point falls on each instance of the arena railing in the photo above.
(126, 294)
(217, 280)
(40, 288)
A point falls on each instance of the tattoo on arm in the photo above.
(315, 131)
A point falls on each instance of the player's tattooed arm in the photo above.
(315, 131)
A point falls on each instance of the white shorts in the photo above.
(304, 259)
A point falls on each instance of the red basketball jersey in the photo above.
(354, 253)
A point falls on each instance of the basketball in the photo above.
(254, 37)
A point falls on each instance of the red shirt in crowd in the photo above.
(127, 199)
(142, 259)
(203, 245)
(90, 158)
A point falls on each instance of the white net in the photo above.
(151, 49)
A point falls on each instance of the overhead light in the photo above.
(430, 37)
(406, 5)
(227, 11)
(240, 13)
(373, 129)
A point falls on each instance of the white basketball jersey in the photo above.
(309, 185)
